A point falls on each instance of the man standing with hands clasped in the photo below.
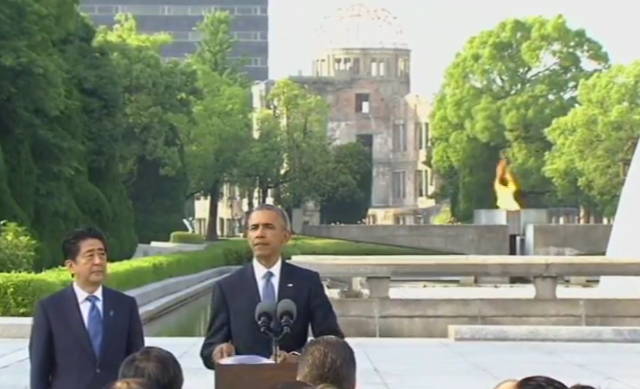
(232, 327)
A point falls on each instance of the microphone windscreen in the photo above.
(287, 308)
(265, 309)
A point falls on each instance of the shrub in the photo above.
(20, 291)
(17, 248)
(186, 237)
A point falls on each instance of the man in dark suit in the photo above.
(81, 334)
(232, 327)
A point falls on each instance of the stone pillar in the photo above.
(354, 289)
(546, 287)
(297, 220)
(379, 287)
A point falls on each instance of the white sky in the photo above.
(436, 30)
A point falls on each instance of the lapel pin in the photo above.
(289, 285)
(111, 313)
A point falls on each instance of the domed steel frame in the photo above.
(361, 26)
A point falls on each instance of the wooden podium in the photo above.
(254, 376)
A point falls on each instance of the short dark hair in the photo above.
(71, 243)
(130, 383)
(156, 365)
(273, 208)
(328, 360)
(540, 382)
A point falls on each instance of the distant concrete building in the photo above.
(363, 70)
(179, 18)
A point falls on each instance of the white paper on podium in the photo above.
(245, 360)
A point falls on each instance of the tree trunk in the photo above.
(264, 193)
(212, 225)
(585, 215)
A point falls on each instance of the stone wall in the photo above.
(567, 239)
(454, 239)
(431, 318)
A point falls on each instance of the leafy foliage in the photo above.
(96, 128)
(301, 118)
(17, 248)
(347, 192)
(220, 128)
(605, 127)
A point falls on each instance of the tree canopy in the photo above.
(499, 95)
(97, 128)
(594, 143)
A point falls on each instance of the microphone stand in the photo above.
(276, 334)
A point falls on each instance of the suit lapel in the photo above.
(108, 315)
(254, 292)
(286, 288)
(76, 322)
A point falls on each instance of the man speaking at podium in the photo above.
(232, 328)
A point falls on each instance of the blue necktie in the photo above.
(268, 291)
(94, 324)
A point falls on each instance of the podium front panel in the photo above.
(254, 376)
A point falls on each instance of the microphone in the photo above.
(286, 313)
(265, 313)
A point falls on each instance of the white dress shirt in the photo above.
(84, 304)
(260, 271)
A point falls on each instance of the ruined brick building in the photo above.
(363, 70)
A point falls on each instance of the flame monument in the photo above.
(623, 242)
(508, 192)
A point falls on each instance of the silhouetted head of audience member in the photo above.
(292, 385)
(540, 382)
(580, 386)
(155, 365)
(130, 383)
(328, 360)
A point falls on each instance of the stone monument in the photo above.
(623, 242)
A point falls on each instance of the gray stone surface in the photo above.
(545, 334)
(418, 363)
(163, 248)
(339, 266)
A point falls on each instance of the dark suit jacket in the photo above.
(60, 349)
(233, 305)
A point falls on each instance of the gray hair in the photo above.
(273, 208)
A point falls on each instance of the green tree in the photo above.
(499, 95)
(262, 162)
(303, 118)
(156, 99)
(594, 143)
(220, 129)
(60, 95)
(347, 196)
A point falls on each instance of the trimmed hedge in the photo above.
(186, 237)
(20, 291)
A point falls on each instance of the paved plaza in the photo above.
(418, 363)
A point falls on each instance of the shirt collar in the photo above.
(260, 270)
(81, 295)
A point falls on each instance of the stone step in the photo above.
(492, 333)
